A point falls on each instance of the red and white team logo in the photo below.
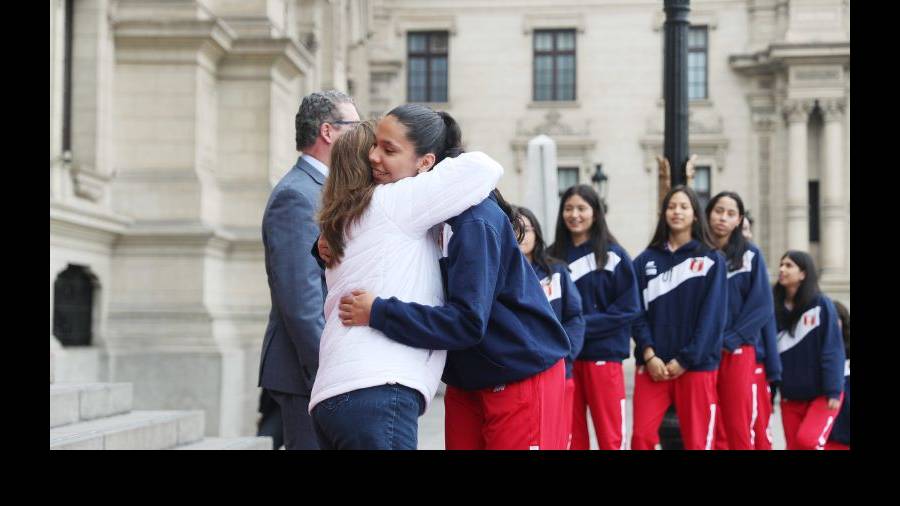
(809, 320)
(547, 284)
(696, 264)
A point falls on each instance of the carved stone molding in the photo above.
(797, 111)
(552, 125)
(832, 109)
(89, 184)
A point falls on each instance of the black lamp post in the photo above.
(600, 181)
(675, 84)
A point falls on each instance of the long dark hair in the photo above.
(598, 235)
(737, 245)
(539, 255)
(699, 229)
(806, 292)
(439, 133)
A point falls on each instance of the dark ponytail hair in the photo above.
(430, 131)
(539, 254)
(699, 229)
(737, 244)
(438, 133)
(598, 235)
(806, 292)
(452, 137)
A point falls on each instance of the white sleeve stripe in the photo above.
(612, 261)
(588, 263)
(582, 266)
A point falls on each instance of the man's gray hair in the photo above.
(317, 108)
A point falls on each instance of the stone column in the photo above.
(334, 45)
(165, 331)
(797, 114)
(833, 231)
(165, 114)
(541, 180)
(764, 123)
(358, 56)
(259, 94)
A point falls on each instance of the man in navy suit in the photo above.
(290, 351)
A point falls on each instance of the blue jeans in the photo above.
(385, 417)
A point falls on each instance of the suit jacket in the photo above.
(290, 351)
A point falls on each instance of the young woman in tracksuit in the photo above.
(505, 367)
(809, 341)
(604, 275)
(749, 309)
(563, 297)
(684, 296)
(767, 371)
(840, 435)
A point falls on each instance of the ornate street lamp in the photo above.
(600, 182)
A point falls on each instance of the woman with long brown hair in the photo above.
(370, 390)
(603, 273)
(812, 354)
(749, 310)
(683, 287)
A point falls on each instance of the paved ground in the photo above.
(431, 424)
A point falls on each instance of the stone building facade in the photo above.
(170, 121)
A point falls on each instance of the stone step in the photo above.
(80, 402)
(236, 443)
(138, 430)
(79, 364)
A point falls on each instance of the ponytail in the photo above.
(452, 138)
(430, 131)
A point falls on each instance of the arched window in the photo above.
(73, 306)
